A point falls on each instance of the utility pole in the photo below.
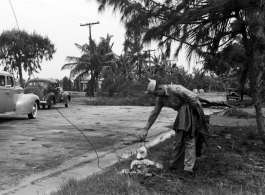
(91, 51)
(149, 50)
(171, 71)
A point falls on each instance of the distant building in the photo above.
(82, 82)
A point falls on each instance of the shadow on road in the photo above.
(57, 107)
(12, 118)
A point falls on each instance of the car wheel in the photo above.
(51, 106)
(66, 105)
(43, 106)
(34, 111)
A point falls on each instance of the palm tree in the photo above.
(91, 61)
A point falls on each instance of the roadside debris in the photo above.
(141, 165)
(125, 154)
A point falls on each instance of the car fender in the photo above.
(50, 97)
(25, 102)
(66, 97)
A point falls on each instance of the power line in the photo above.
(66, 13)
(49, 23)
(14, 14)
(43, 12)
(79, 16)
(24, 18)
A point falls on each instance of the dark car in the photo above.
(232, 94)
(49, 92)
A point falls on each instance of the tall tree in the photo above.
(204, 25)
(70, 85)
(65, 83)
(93, 57)
(20, 51)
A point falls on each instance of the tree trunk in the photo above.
(87, 89)
(20, 75)
(140, 68)
(255, 76)
(92, 83)
(242, 91)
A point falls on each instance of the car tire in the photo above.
(66, 105)
(34, 112)
(43, 106)
(51, 106)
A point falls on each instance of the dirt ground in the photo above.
(33, 146)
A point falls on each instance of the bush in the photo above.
(144, 100)
(242, 104)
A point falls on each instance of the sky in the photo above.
(60, 21)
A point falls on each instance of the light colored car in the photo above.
(49, 92)
(13, 99)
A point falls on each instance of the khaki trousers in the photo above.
(184, 151)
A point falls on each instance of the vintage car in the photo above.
(232, 94)
(13, 99)
(49, 92)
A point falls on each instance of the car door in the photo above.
(10, 92)
(2, 93)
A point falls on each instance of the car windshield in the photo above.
(35, 84)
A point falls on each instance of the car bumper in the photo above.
(43, 102)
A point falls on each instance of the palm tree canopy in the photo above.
(196, 24)
(93, 57)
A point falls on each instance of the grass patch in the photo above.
(238, 113)
(237, 167)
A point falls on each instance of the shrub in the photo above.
(143, 100)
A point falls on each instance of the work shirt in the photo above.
(175, 97)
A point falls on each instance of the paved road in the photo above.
(33, 146)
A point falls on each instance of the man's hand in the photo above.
(142, 135)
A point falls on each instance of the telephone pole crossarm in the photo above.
(88, 24)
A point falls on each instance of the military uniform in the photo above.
(190, 124)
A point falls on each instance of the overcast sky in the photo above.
(60, 20)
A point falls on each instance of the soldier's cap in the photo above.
(151, 86)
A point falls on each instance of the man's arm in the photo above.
(154, 113)
(153, 116)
